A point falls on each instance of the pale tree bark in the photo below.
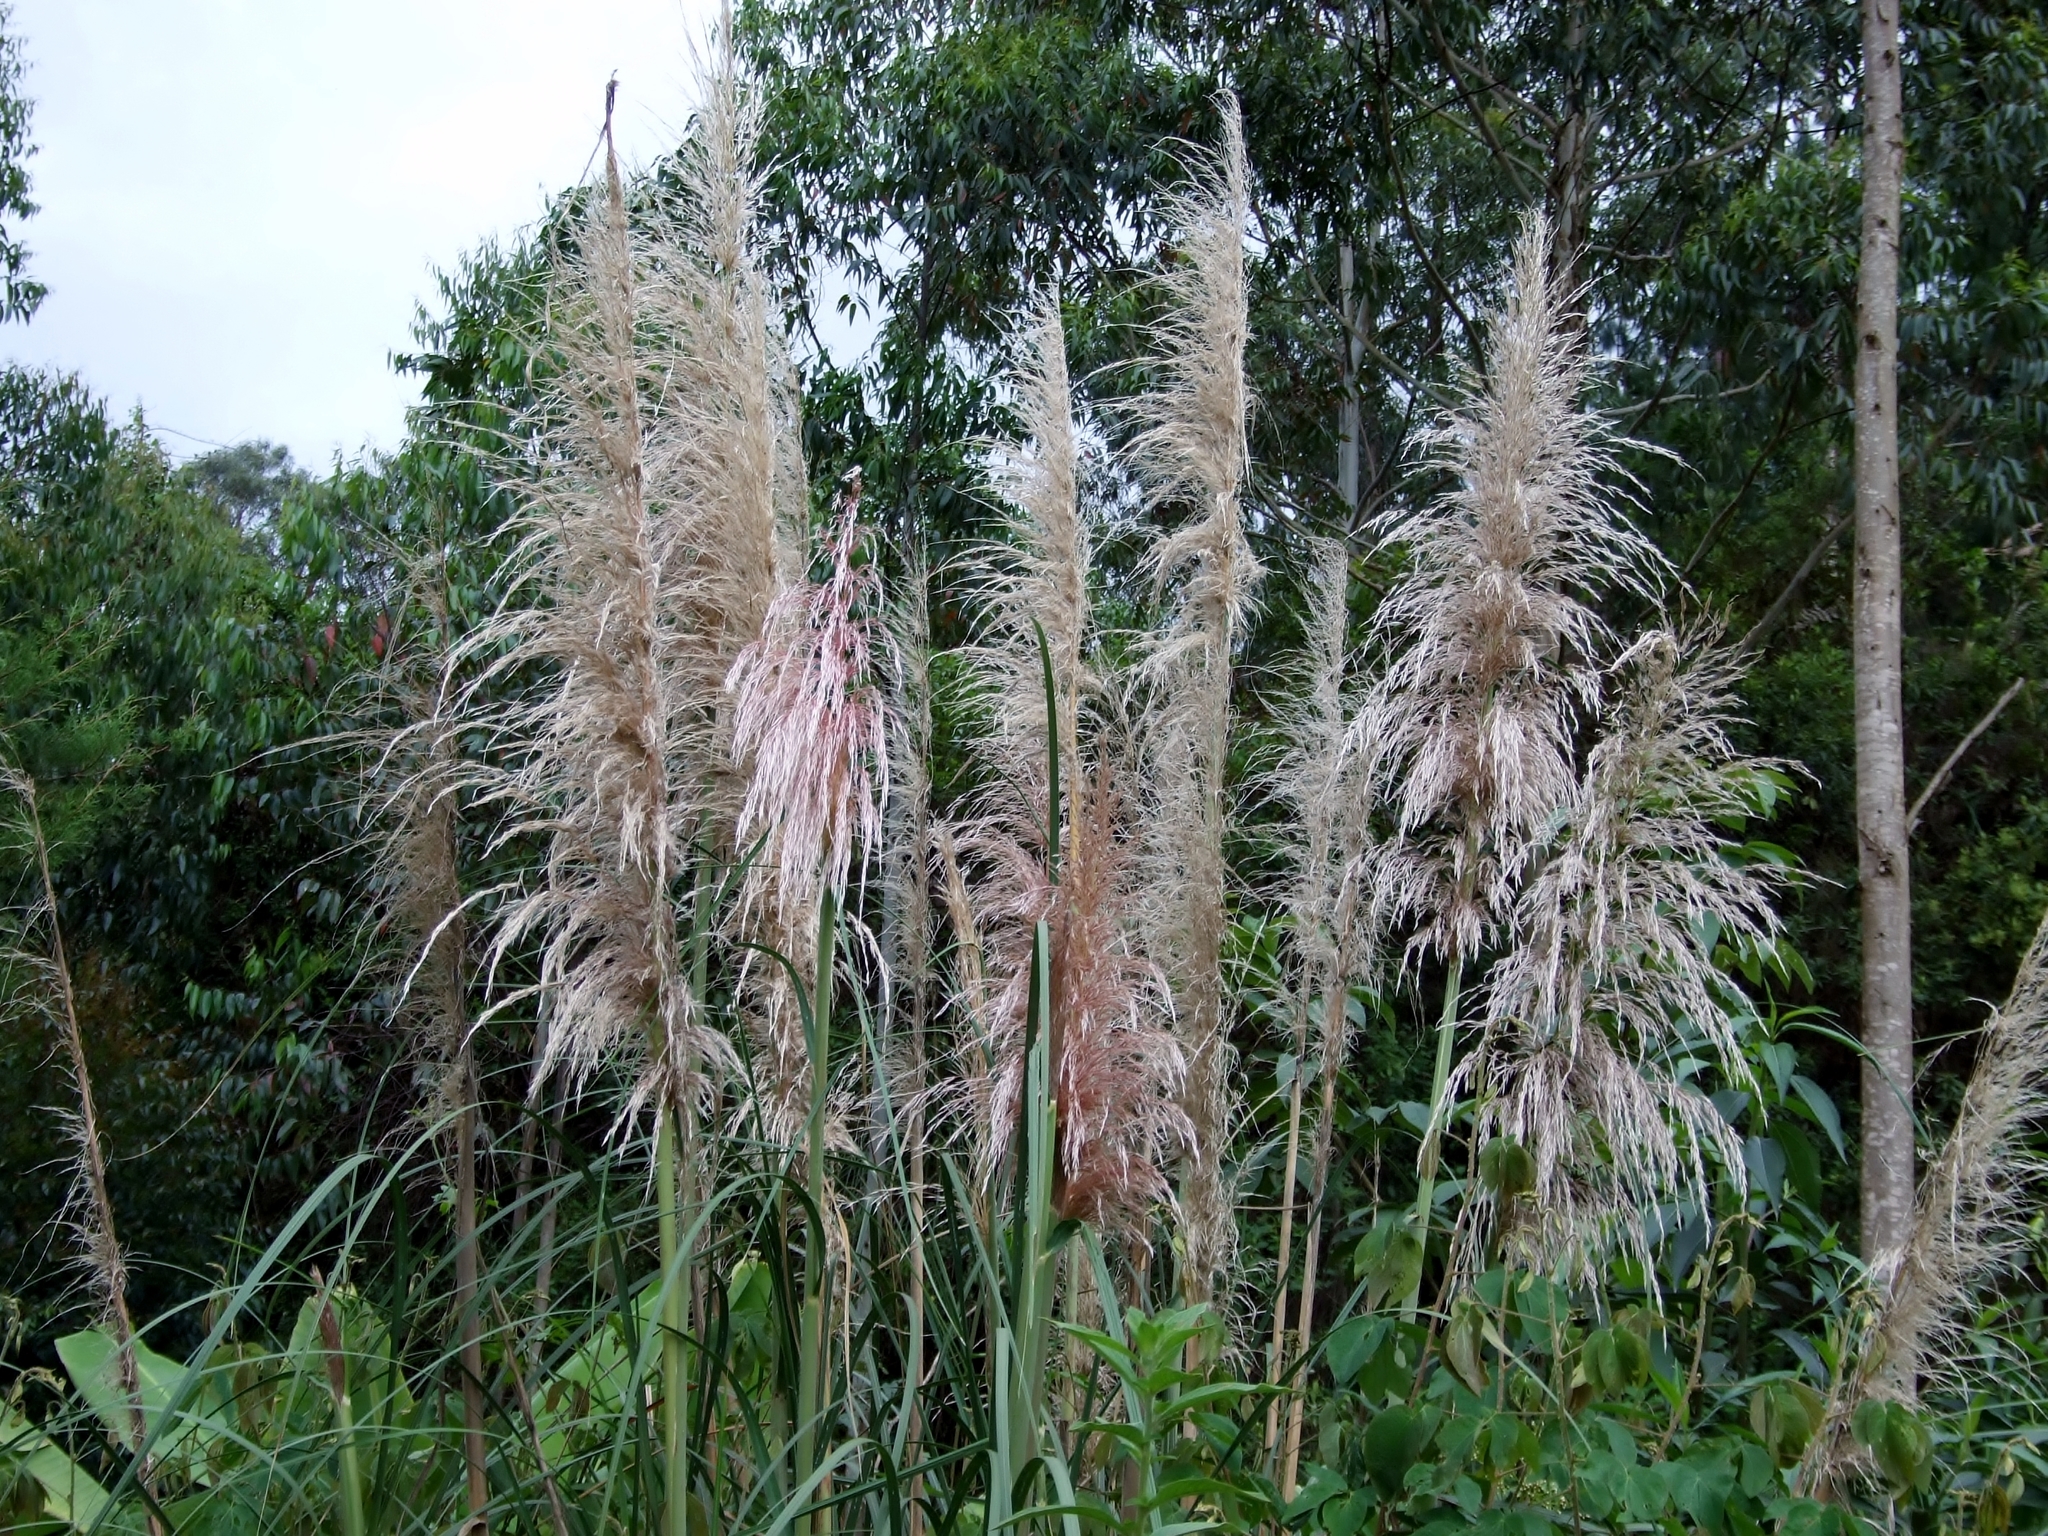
(1881, 823)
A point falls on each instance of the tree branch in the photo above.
(1948, 763)
(1719, 520)
(1778, 609)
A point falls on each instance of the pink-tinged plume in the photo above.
(810, 734)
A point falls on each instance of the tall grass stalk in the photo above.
(1055, 844)
(1191, 448)
(811, 734)
(607, 614)
(910, 836)
(1323, 910)
(815, 1364)
(91, 1208)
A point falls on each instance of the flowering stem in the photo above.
(1432, 1139)
(667, 1178)
(812, 1366)
(1278, 1352)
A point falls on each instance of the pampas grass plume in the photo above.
(1191, 449)
(1491, 632)
(1116, 1067)
(1610, 951)
(1971, 1222)
(605, 605)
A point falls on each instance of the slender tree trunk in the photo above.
(1570, 183)
(1349, 429)
(1881, 833)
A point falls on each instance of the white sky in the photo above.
(244, 200)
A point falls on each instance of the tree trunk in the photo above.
(1570, 184)
(1880, 748)
(1349, 427)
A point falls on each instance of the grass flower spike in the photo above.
(810, 735)
(1191, 449)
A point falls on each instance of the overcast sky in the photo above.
(243, 200)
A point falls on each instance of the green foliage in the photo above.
(20, 294)
(172, 640)
(161, 667)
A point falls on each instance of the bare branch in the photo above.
(1948, 763)
(1783, 605)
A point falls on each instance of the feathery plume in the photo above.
(1970, 1222)
(609, 606)
(726, 442)
(1582, 1012)
(809, 725)
(413, 779)
(908, 830)
(1116, 1068)
(1037, 579)
(810, 734)
(1493, 647)
(1191, 447)
(1493, 642)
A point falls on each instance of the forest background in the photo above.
(178, 639)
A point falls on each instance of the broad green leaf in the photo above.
(1816, 1099)
(69, 1492)
(90, 1359)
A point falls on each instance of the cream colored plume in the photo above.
(1491, 639)
(727, 437)
(1116, 1066)
(650, 558)
(1612, 982)
(1037, 578)
(1559, 802)
(1191, 450)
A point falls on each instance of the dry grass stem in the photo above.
(89, 1210)
(1321, 907)
(424, 905)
